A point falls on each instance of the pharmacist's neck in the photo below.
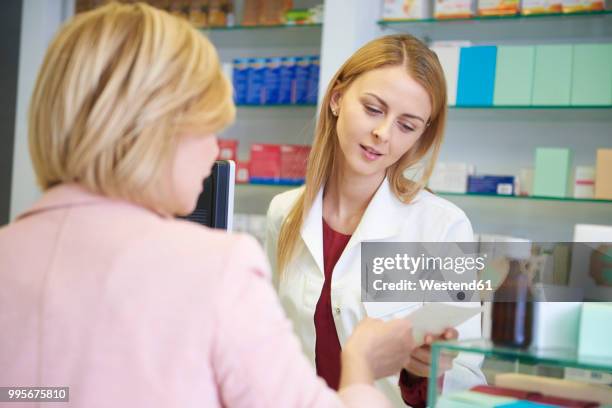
(346, 197)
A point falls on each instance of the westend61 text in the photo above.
(432, 285)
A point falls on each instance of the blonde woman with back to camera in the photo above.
(384, 112)
(101, 289)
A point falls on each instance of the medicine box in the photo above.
(552, 78)
(265, 163)
(406, 9)
(603, 174)
(476, 76)
(514, 75)
(499, 185)
(552, 172)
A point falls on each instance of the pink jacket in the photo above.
(130, 309)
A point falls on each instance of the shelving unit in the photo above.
(497, 139)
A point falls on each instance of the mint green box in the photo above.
(592, 74)
(552, 172)
(595, 330)
(514, 75)
(552, 77)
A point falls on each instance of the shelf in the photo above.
(549, 357)
(516, 17)
(533, 107)
(558, 358)
(281, 186)
(262, 27)
(295, 105)
(515, 30)
(534, 198)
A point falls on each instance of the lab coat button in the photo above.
(337, 310)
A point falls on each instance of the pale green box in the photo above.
(552, 78)
(592, 74)
(595, 330)
(514, 75)
(552, 171)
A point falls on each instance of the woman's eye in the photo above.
(372, 110)
(405, 128)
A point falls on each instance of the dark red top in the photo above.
(327, 346)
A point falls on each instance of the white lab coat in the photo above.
(428, 218)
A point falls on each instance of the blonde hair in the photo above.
(423, 66)
(116, 87)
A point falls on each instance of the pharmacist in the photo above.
(384, 112)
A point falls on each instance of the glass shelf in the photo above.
(261, 27)
(533, 107)
(493, 18)
(551, 359)
(281, 186)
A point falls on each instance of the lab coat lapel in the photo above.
(312, 230)
(381, 220)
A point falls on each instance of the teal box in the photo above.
(552, 172)
(595, 330)
(592, 74)
(472, 399)
(552, 77)
(514, 75)
(525, 404)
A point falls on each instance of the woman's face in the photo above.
(380, 117)
(193, 160)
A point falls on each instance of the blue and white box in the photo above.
(240, 78)
(302, 71)
(255, 88)
(313, 80)
(500, 185)
(272, 80)
(286, 90)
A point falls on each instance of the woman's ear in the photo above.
(334, 102)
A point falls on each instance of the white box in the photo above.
(448, 56)
(584, 182)
(406, 10)
(556, 325)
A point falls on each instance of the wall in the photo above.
(39, 22)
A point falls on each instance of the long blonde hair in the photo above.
(116, 86)
(423, 66)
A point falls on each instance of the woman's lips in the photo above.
(369, 153)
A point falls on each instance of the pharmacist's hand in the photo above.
(600, 266)
(383, 347)
(420, 359)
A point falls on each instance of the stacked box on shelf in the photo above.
(272, 80)
(449, 59)
(592, 74)
(603, 174)
(514, 75)
(552, 75)
(313, 80)
(276, 80)
(293, 163)
(552, 172)
(265, 163)
(476, 76)
(255, 83)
